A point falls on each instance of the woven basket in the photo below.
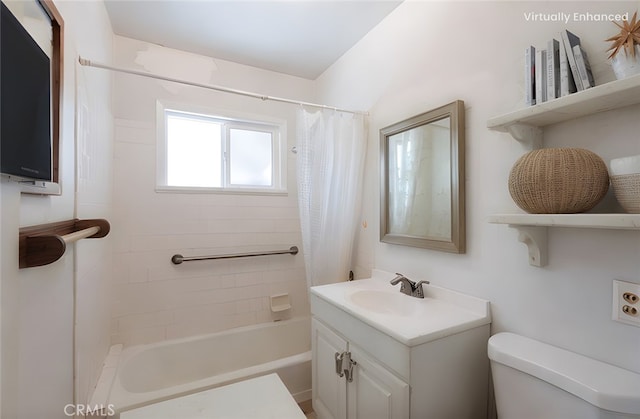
(627, 191)
(558, 181)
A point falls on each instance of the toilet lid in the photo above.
(603, 385)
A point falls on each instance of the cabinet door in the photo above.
(329, 391)
(375, 393)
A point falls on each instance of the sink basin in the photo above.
(384, 302)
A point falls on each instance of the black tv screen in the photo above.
(25, 108)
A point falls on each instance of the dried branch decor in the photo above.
(628, 37)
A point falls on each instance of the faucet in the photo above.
(409, 287)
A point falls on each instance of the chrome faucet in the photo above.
(409, 287)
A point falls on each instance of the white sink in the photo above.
(409, 320)
(384, 302)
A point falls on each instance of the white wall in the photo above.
(92, 35)
(427, 54)
(37, 303)
(152, 298)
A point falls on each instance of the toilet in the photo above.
(262, 397)
(534, 380)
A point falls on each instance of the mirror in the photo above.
(422, 180)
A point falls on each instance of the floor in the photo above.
(307, 409)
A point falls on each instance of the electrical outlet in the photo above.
(626, 302)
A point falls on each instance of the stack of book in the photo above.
(558, 70)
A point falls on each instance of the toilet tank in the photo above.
(534, 380)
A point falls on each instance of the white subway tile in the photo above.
(120, 267)
(148, 242)
(132, 322)
(138, 273)
(288, 225)
(221, 323)
(264, 316)
(161, 300)
(249, 305)
(248, 278)
(140, 336)
(204, 313)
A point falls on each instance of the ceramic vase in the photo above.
(624, 65)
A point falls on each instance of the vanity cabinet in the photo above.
(329, 390)
(368, 390)
(406, 358)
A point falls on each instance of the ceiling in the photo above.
(296, 37)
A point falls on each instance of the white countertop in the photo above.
(442, 312)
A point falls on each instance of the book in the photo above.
(584, 68)
(529, 76)
(541, 76)
(553, 69)
(567, 85)
(570, 40)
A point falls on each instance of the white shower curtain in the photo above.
(331, 149)
(405, 154)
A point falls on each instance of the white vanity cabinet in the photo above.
(410, 358)
(329, 390)
(372, 391)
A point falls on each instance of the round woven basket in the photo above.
(627, 191)
(558, 181)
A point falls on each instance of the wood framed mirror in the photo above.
(422, 180)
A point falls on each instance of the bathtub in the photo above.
(151, 373)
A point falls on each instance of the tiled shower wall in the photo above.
(153, 299)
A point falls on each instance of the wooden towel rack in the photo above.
(45, 243)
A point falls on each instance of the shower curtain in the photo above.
(331, 149)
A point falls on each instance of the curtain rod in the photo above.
(85, 62)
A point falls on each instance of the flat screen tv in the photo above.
(25, 108)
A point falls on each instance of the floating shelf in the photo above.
(525, 124)
(45, 243)
(532, 228)
(607, 221)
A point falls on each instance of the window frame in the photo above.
(229, 120)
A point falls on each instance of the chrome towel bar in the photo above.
(178, 259)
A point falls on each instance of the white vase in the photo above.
(624, 65)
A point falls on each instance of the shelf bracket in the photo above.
(526, 134)
(536, 240)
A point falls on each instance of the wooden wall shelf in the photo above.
(45, 243)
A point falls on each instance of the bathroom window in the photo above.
(202, 152)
